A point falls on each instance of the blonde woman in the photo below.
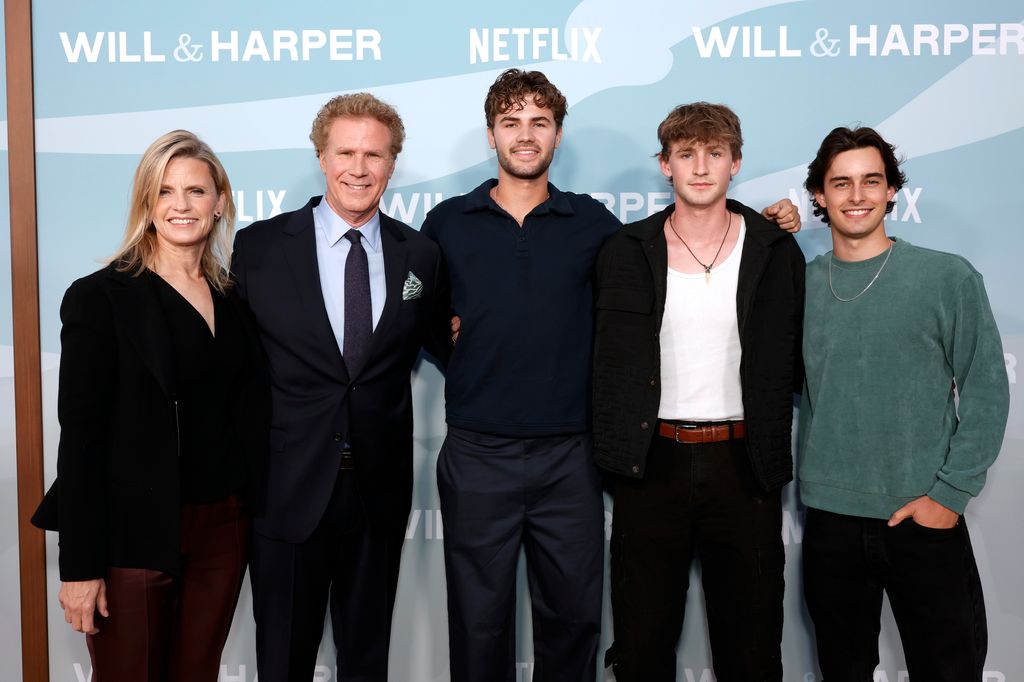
(163, 406)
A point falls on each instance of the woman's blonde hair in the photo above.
(138, 248)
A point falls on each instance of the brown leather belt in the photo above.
(696, 433)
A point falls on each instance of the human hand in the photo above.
(80, 601)
(456, 326)
(926, 512)
(785, 215)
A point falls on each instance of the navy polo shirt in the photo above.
(521, 366)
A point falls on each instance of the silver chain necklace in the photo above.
(707, 268)
(865, 289)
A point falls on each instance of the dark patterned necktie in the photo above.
(358, 313)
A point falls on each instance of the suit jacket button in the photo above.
(644, 425)
(636, 468)
(337, 437)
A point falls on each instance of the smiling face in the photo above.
(357, 164)
(184, 212)
(700, 172)
(855, 195)
(525, 140)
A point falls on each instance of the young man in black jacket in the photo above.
(697, 352)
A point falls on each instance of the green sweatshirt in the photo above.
(879, 425)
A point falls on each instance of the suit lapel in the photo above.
(300, 258)
(137, 311)
(395, 258)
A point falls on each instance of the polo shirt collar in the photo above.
(480, 199)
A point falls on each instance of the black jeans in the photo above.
(697, 500)
(933, 586)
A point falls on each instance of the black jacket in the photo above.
(117, 497)
(630, 295)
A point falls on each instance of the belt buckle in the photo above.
(685, 427)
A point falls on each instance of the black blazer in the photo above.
(316, 405)
(116, 500)
(631, 274)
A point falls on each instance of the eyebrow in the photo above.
(847, 178)
(354, 150)
(513, 117)
(693, 147)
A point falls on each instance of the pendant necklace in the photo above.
(863, 291)
(707, 267)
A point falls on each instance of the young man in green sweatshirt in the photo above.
(904, 406)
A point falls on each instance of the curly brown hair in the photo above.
(514, 86)
(357, 105)
(701, 122)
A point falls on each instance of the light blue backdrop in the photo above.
(941, 79)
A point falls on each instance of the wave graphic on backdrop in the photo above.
(999, 110)
(283, 123)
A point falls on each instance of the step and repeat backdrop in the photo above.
(940, 79)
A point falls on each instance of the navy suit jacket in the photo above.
(316, 406)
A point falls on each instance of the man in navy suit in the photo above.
(344, 297)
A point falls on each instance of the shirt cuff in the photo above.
(949, 497)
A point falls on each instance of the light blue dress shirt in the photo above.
(331, 252)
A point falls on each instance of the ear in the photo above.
(221, 200)
(558, 137)
(819, 197)
(665, 169)
(735, 167)
(490, 137)
(323, 162)
(890, 193)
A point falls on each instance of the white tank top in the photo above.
(700, 343)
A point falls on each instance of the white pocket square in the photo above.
(413, 287)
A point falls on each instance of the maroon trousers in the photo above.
(165, 628)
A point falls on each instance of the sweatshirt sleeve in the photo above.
(975, 351)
